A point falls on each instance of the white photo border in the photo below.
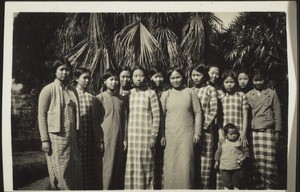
(289, 7)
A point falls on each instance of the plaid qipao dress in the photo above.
(208, 96)
(232, 108)
(144, 118)
(87, 149)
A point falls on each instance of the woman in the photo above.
(86, 101)
(143, 125)
(58, 117)
(183, 119)
(112, 123)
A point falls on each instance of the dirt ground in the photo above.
(30, 170)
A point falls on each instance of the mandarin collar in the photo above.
(59, 83)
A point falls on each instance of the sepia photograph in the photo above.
(149, 96)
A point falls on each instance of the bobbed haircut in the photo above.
(228, 73)
(79, 71)
(140, 67)
(229, 126)
(201, 69)
(259, 74)
(124, 68)
(155, 70)
(109, 73)
(180, 71)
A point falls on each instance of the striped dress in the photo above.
(87, 148)
(208, 97)
(144, 117)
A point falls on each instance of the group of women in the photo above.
(147, 130)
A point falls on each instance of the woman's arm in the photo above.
(197, 115)
(245, 108)
(43, 108)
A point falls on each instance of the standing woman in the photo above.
(265, 128)
(243, 81)
(157, 83)
(112, 123)
(208, 97)
(125, 80)
(183, 119)
(143, 124)
(86, 100)
(58, 117)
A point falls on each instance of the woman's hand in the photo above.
(243, 140)
(216, 166)
(100, 147)
(152, 143)
(196, 139)
(46, 147)
(163, 142)
(125, 145)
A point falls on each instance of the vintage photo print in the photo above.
(150, 95)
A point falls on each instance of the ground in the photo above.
(30, 171)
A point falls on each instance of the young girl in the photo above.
(234, 108)
(59, 126)
(86, 100)
(230, 158)
(112, 123)
(183, 120)
(157, 77)
(142, 131)
(265, 126)
(208, 99)
(243, 80)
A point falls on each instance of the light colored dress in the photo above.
(143, 125)
(182, 119)
(112, 117)
(64, 164)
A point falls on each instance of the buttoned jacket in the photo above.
(266, 111)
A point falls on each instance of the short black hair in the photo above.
(229, 126)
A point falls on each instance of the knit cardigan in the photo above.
(50, 108)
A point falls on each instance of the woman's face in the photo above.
(214, 74)
(158, 79)
(84, 80)
(243, 80)
(229, 84)
(63, 73)
(125, 78)
(258, 83)
(197, 77)
(138, 78)
(176, 79)
(111, 83)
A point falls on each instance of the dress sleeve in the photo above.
(43, 107)
(218, 152)
(155, 113)
(96, 120)
(212, 105)
(197, 112)
(277, 112)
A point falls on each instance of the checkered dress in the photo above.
(144, 117)
(87, 148)
(264, 151)
(208, 97)
(233, 106)
(64, 163)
